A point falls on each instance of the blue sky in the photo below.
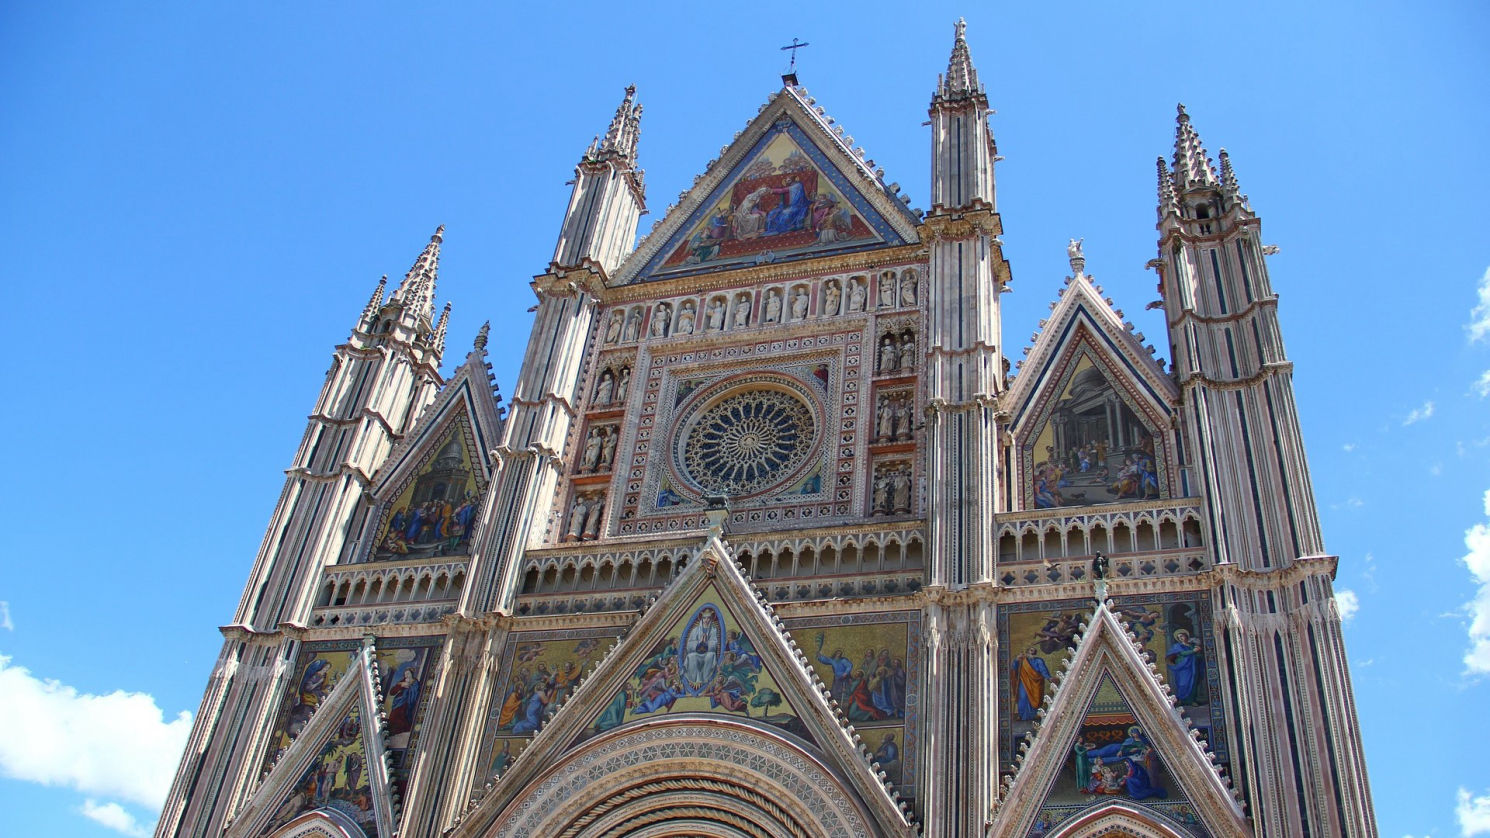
(197, 200)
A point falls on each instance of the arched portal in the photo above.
(687, 776)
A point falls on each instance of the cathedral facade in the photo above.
(769, 542)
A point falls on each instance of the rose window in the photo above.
(748, 442)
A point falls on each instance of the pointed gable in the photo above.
(788, 187)
(709, 655)
(428, 492)
(1111, 743)
(335, 772)
(1092, 409)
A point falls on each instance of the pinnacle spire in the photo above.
(624, 131)
(479, 344)
(1228, 175)
(417, 290)
(370, 312)
(961, 80)
(1191, 166)
(1168, 201)
(443, 326)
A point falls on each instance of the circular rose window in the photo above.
(746, 442)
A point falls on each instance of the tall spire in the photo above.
(438, 341)
(1229, 185)
(1168, 202)
(417, 291)
(625, 129)
(1191, 166)
(374, 304)
(961, 80)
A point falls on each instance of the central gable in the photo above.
(786, 189)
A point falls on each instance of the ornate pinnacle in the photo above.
(376, 303)
(479, 344)
(438, 339)
(624, 131)
(417, 291)
(1168, 203)
(1191, 166)
(1228, 176)
(961, 80)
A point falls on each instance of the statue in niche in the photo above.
(773, 306)
(900, 490)
(613, 329)
(577, 515)
(908, 350)
(608, 449)
(623, 384)
(686, 317)
(592, 518)
(889, 355)
(633, 325)
(856, 295)
(715, 315)
(887, 289)
(590, 460)
(886, 418)
(799, 303)
(832, 298)
(605, 391)
(660, 315)
(742, 311)
(904, 420)
(881, 502)
(908, 288)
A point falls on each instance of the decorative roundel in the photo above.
(746, 442)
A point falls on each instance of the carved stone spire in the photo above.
(417, 290)
(1191, 166)
(1229, 186)
(625, 129)
(443, 326)
(479, 344)
(961, 80)
(374, 305)
(1168, 201)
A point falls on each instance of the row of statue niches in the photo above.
(895, 418)
(724, 311)
(892, 490)
(897, 352)
(585, 517)
(600, 449)
(612, 386)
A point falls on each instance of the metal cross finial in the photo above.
(790, 76)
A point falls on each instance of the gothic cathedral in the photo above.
(769, 543)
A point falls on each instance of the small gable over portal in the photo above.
(1092, 410)
(788, 187)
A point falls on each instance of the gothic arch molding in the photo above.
(1119, 820)
(709, 777)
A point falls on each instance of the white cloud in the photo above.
(1482, 384)
(115, 746)
(1477, 659)
(1347, 603)
(1436, 469)
(114, 816)
(1348, 447)
(5, 622)
(1473, 813)
(1419, 414)
(1479, 316)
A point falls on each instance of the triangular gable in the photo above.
(788, 187)
(1086, 346)
(336, 768)
(427, 494)
(745, 668)
(1105, 690)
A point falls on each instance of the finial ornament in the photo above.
(481, 337)
(1078, 259)
(1099, 576)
